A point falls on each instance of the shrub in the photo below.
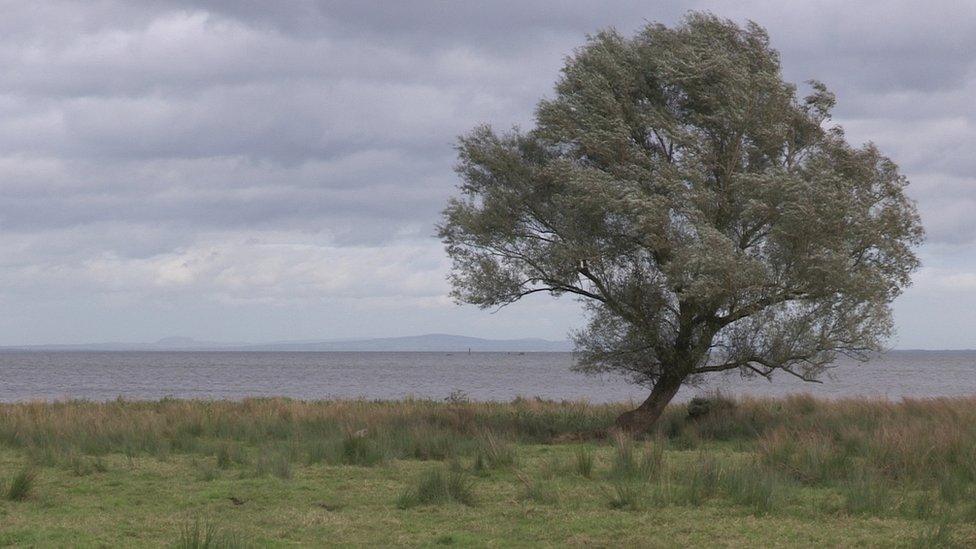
(701, 406)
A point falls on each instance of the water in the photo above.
(482, 376)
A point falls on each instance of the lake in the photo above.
(37, 375)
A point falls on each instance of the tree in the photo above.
(708, 218)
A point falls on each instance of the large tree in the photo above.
(708, 217)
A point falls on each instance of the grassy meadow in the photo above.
(259, 472)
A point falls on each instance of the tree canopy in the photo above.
(708, 216)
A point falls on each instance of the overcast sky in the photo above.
(255, 171)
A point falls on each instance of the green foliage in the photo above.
(693, 200)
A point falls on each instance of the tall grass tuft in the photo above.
(953, 489)
(935, 536)
(273, 463)
(424, 442)
(494, 453)
(628, 462)
(83, 466)
(537, 490)
(584, 462)
(21, 485)
(810, 458)
(866, 495)
(229, 454)
(753, 487)
(438, 487)
(702, 480)
(359, 449)
(207, 535)
(625, 494)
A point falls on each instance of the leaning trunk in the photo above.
(643, 417)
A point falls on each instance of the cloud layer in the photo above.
(254, 170)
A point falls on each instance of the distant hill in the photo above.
(429, 342)
(420, 343)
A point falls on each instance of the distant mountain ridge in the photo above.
(419, 343)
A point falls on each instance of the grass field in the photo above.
(793, 472)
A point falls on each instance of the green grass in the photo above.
(276, 472)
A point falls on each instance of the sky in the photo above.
(255, 171)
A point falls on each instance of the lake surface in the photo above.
(39, 375)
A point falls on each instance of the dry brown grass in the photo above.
(53, 432)
(812, 441)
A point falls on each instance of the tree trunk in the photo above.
(643, 417)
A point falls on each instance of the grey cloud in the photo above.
(135, 133)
